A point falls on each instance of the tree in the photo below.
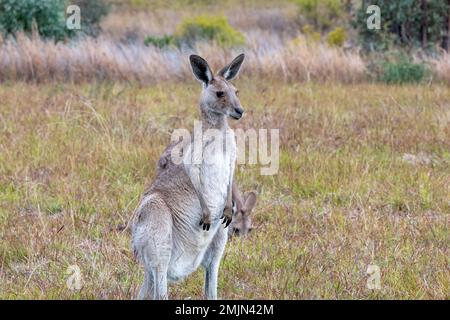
(405, 23)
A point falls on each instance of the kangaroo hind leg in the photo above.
(152, 244)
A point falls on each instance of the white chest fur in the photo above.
(213, 167)
(215, 171)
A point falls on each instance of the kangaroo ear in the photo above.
(237, 196)
(250, 202)
(230, 71)
(201, 69)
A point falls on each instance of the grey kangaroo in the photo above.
(243, 205)
(177, 225)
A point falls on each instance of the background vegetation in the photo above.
(410, 24)
(48, 18)
(318, 40)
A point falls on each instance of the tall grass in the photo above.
(441, 67)
(103, 58)
(139, 24)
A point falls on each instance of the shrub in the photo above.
(22, 15)
(209, 28)
(320, 13)
(160, 42)
(402, 71)
(337, 37)
(310, 33)
(48, 16)
(404, 23)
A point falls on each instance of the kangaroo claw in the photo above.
(206, 223)
(226, 220)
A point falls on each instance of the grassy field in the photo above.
(364, 180)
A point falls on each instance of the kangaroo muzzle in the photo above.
(237, 113)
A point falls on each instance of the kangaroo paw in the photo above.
(227, 218)
(206, 223)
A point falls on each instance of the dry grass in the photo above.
(106, 59)
(75, 158)
(274, 47)
(440, 67)
(129, 26)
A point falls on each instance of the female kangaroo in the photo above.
(177, 226)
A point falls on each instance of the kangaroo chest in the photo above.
(215, 165)
(216, 170)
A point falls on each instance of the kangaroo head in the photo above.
(219, 96)
(242, 220)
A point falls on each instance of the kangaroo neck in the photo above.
(213, 120)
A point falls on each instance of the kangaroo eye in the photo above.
(237, 92)
(219, 94)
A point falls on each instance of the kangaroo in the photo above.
(242, 209)
(176, 227)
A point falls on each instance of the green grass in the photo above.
(75, 158)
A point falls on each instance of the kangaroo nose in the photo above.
(239, 110)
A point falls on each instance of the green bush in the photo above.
(402, 71)
(208, 28)
(320, 13)
(405, 24)
(310, 33)
(337, 37)
(160, 42)
(47, 15)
